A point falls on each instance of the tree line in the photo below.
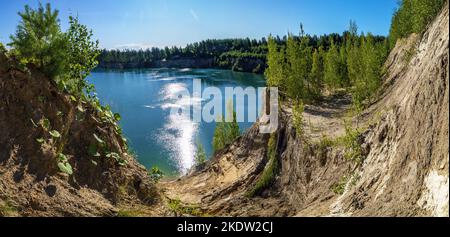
(304, 67)
(233, 54)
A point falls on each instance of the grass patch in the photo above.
(180, 208)
(8, 208)
(270, 170)
(350, 141)
(339, 188)
(297, 117)
(129, 213)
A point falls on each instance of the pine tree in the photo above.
(275, 72)
(333, 67)
(39, 40)
(225, 132)
(200, 155)
(316, 75)
(295, 80)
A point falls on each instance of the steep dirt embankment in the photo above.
(403, 152)
(31, 183)
(406, 171)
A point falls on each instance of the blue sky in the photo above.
(145, 23)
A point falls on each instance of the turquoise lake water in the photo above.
(144, 99)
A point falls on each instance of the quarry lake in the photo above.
(144, 99)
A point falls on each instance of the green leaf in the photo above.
(117, 117)
(65, 168)
(55, 134)
(62, 157)
(94, 162)
(40, 140)
(45, 123)
(72, 98)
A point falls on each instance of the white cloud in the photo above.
(194, 14)
(133, 46)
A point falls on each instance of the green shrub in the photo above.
(225, 132)
(339, 188)
(156, 174)
(350, 140)
(270, 171)
(179, 208)
(200, 155)
(297, 116)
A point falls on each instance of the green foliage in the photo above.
(301, 66)
(200, 156)
(82, 56)
(93, 150)
(276, 71)
(335, 67)
(225, 132)
(365, 67)
(179, 208)
(352, 145)
(297, 116)
(412, 16)
(129, 213)
(317, 72)
(63, 164)
(55, 134)
(39, 40)
(339, 188)
(156, 174)
(66, 57)
(236, 54)
(2, 48)
(116, 157)
(270, 171)
(8, 208)
(325, 142)
(350, 141)
(40, 140)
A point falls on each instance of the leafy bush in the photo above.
(352, 145)
(225, 132)
(297, 116)
(182, 209)
(339, 188)
(200, 156)
(156, 174)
